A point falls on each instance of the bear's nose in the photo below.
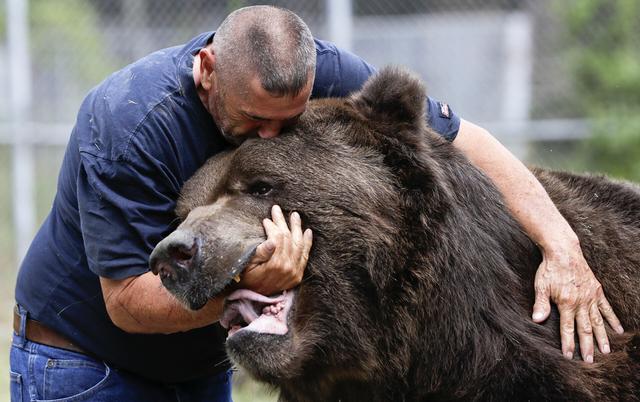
(176, 252)
(165, 270)
(181, 254)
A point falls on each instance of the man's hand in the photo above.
(280, 260)
(566, 278)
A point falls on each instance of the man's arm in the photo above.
(564, 275)
(140, 304)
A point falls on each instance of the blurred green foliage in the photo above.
(75, 26)
(615, 147)
(3, 22)
(233, 5)
(604, 38)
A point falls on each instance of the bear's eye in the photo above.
(260, 188)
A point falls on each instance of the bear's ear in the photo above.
(392, 96)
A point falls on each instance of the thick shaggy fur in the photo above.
(420, 282)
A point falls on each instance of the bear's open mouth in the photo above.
(247, 310)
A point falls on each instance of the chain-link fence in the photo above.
(513, 66)
(505, 64)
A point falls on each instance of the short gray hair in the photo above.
(271, 42)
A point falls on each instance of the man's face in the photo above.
(243, 111)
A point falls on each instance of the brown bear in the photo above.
(419, 285)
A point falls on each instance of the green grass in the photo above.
(246, 389)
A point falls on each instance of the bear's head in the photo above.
(361, 171)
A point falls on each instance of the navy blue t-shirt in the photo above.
(138, 137)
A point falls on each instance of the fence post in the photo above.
(340, 22)
(517, 77)
(20, 102)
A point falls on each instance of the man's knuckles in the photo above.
(585, 329)
(596, 320)
(567, 327)
(282, 237)
(605, 308)
(567, 303)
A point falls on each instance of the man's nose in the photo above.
(270, 129)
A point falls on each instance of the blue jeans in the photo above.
(42, 373)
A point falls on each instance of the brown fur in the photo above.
(420, 283)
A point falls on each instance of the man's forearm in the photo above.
(524, 195)
(142, 305)
(564, 276)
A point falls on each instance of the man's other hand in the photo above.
(280, 260)
(566, 279)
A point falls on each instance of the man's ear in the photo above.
(207, 65)
(393, 96)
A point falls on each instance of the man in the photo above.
(92, 321)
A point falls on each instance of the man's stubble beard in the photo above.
(222, 122)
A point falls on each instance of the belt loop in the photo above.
(22, 312)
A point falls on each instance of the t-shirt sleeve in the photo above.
(340, 72)
(126, 207)
(353, 72)
(442, 119)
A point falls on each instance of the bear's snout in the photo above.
(175, 256)
(203, 256)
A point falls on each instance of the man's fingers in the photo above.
(280, 259)
(270, 229)
(296, 235)
(598, 329)
(265, 250)
(609, 315)
(567, 318)
(302, 258)
(283, 237)
(541, 308)
(585, 334)
(308, 241)
(278, 218)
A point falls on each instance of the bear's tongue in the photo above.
(262, 314)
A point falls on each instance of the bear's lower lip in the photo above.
(246, 310)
